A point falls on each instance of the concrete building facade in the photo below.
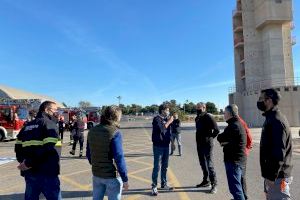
(263, 57)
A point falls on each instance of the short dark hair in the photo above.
(272, 94)
(45, 105)
(162, 107)
(232, 110)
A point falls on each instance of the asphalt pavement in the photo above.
(184, 171)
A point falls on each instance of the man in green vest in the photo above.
(105, 154)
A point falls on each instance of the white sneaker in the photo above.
(154, 191)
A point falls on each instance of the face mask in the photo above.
(167, 113)
(261, 106)
(199, 112)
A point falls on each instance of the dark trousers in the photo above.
(205, 156)
(61, 133)
(77, 138)
(37, 184)
(244, 184)
(234, 175)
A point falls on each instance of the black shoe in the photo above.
(72, 152)
(203, 184)
(171, 154)
(213, 189)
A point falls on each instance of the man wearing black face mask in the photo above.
(206, 131)
(275, 147)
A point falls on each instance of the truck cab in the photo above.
(12, 119)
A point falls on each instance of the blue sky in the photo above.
(146, 51)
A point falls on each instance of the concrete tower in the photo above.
(263, 57)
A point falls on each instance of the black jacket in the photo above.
(275, 146)
(161, 136)
(206, 128)
(36, 145)
(176, 126)
(233, 140)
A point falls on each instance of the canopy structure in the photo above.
(11, 94)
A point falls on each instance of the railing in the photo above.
(238, 40)
(260, 85)
(293, 40)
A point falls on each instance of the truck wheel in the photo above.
(1, 135)
(90, 125)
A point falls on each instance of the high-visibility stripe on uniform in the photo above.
(58, 143)
(18, 141)
(32, 143)
(50, 140)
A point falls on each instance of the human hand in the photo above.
(22, 166)
(125, 186)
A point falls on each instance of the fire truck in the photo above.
(93, 116)
(68, 113)
(13, 115)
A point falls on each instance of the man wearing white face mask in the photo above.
(161, 137)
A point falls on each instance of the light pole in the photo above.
(186, 101)
(119, 98)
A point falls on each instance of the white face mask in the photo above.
(167, 113)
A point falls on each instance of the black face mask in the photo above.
(261, 105)
(199, 112)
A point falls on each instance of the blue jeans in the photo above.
(112, 187)
(234, 177)
(160, 154)
(47, 185)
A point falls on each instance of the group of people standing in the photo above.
(236, 140)
(38, 142)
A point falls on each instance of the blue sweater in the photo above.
(117, 149)
(161, 136)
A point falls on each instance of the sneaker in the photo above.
(80, 154)
(154, 191)
(203, 184)
(72, 152)
(166, 187)
(213, 189)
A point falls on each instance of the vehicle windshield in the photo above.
(5, 113)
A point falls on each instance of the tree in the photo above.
(84, 104)
(211, 108)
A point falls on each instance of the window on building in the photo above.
(295, 88)
(278, 1)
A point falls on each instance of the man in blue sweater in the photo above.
(161, 137)
(105, 154)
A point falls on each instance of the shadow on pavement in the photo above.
(131, 155)
(147, 191)
(65, 195)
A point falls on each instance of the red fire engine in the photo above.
(93, 116)
(13, 115)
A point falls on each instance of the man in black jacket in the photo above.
(275, 147)
(36, 151)
(206, 131)
(233, 140)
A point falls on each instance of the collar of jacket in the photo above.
(271, 111)
(44, 115)
(202, 114)
(231, 120)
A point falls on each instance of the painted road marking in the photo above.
(5, 160)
